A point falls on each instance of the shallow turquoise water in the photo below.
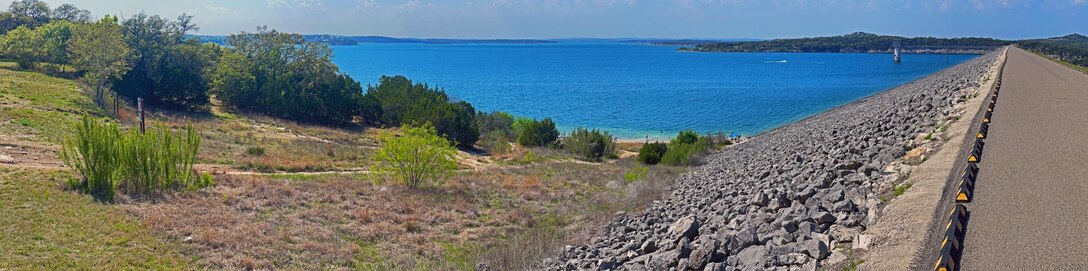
(636, 91)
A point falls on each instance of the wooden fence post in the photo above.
(140, 108)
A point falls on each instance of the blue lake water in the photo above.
(636, 91)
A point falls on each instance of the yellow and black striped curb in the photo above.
(976, 151)
(982, 130)
(967, 184)
(951, 248)
(952, 245)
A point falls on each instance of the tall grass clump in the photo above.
(591, 145)
(91, 152)
(158, 160)
(109, 159)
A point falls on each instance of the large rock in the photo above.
(686, 226)
(753, 257)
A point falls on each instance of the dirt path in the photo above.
(25, 154)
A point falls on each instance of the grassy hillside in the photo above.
(291, 196)
(43, 226)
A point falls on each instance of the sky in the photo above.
(762, 19)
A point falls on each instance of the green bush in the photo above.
(495, 142)
(496, 131)
(685, 149)
(591, 145)
(417, 156)
(139, 164)
(534, 133)
(651, 153)
(685, 137)
(498, 121)
(255, 151)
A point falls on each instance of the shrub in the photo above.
(591, 145)
(496, 131)
(255, 151)
(496, 122)
(158, 160)
(91, 152)
(534, 133)
(685, 149)
(495, 142)
(679, 155)
(685, 137)
(651, 153)
(405, 102)
(417, 156)
(108, 159)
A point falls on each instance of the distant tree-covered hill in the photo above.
(1071, 48)
(859, 42)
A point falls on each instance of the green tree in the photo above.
(36, 12)
(10, 21)
(416, 156)
(53, 43)
(23, 45)
(99, 51)
(591, 145)
(651, 153)
(535, 133)
(404, 102)
(282, 75)
(71, 13)
(167, 68)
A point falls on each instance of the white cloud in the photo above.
(361, 5)
(297, 4)
(219, 9)
(413, 5)
(1080, 2)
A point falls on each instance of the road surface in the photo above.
(1030, 207)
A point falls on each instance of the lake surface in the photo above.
(636, 91)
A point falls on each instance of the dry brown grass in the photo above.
(507, 218)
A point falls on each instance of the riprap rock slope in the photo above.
(783, 199)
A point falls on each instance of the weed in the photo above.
(899, 190)
(853, 266)
(639, 172)
(138, 163)
(255, 151)
(26, 123)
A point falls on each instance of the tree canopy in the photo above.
(282, 75)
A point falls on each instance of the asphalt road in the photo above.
(1030, 207)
